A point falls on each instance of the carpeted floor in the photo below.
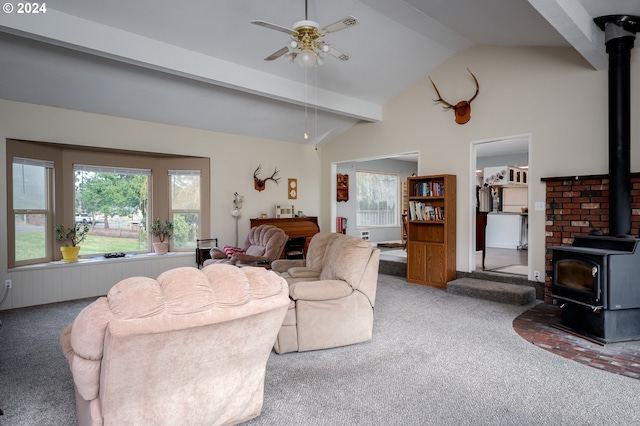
(435, 358)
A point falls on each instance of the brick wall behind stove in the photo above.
(577, 206)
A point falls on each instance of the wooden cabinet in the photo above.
(342, 187)
(431, 230)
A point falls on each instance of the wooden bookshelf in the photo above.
(431, 230)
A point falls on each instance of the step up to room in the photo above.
(491, 290)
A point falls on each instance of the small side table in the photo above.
(203, 250)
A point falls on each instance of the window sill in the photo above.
(99, 259)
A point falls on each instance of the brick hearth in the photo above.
(577, 205)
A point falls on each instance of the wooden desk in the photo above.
(305, 227)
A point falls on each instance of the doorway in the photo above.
(501, 200)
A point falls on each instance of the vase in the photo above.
(161, 248)
(70, 254)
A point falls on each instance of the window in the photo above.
(377, 199)
(116, 192)
(185, 207)
(31, 209)
(114, 203)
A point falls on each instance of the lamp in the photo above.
(235, 212)
(306, 58)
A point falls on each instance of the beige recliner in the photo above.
(188, 348)
(264, 243)
(333, 305)
(308, 269)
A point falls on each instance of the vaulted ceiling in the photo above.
(201, 64)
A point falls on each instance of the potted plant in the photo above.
(162, 231)
(71, 237)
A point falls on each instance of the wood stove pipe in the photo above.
(619, 39)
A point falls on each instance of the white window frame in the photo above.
(174, 211)
(49, 166)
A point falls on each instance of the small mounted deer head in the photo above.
(259, 184)
(462, 108)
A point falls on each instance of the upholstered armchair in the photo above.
(188, 348)
(334, 305)
(263, 243)
(308, 269)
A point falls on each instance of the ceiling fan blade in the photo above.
(274, 27)
(346, 22)
(276, 55)
(338, 53)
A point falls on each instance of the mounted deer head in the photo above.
(463, 108)
(259, 184)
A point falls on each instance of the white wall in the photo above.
(551, 93)
(233, 160)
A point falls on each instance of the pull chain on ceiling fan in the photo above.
(307, 48)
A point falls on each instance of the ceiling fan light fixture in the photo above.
(306, 58)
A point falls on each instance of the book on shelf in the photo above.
(422, 211)
(428, 189)
(341, 225)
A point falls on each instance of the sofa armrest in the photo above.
(246, 258)
(319, 290)
(304, 272)
(85, 346)
(216, 253)
(283, 265)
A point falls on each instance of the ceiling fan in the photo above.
(306, 47)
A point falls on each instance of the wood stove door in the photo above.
(578, 278)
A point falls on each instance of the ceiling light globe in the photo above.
(293, 44)
(306, 59)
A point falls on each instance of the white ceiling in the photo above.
(200, 63)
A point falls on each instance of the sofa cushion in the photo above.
(346, 259)
(256, 250)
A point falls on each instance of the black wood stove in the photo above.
(597, 279)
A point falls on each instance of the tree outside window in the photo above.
(113, 201)
(377, 199)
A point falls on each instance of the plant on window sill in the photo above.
(162, 231)
(71, 237)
